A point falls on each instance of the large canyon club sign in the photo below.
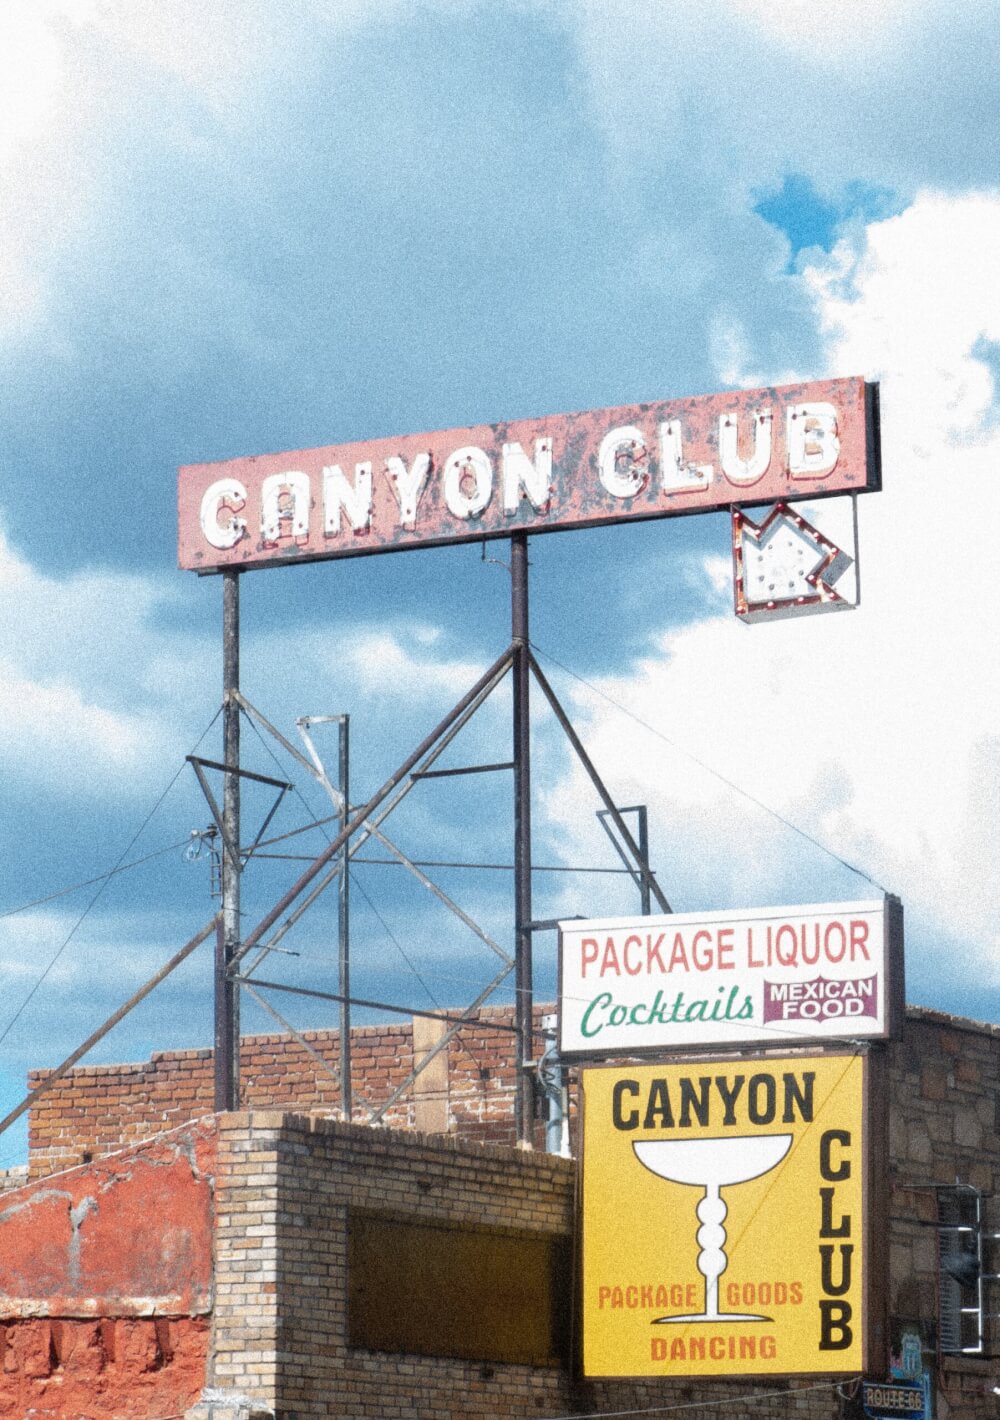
(765, 975)
(565, 471)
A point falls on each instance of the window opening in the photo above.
(967, 1283)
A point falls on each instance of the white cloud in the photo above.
(927, 283)
(726, 95)
(53, 722)
(820, 33)
(399, 676)
(71, 78)
(719, 573)
(96, 691)
(35, 197)
(32, 68)
(875, 730)
(383, 664)
(81, 701)
(31, 939)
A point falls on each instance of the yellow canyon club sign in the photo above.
(723, 1217)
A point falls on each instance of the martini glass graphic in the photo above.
(712, 1164)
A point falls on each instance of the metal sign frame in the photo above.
(643, 461)
(664, 459)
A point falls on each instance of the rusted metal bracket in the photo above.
(199, 766)
(640, 880)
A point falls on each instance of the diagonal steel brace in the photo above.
(395, 787)
(370, 828)
(440, 1045)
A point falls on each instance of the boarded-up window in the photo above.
(449, 1291)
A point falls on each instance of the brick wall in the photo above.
(95, 1109)
(941, 1100)
(105, 1284)
(290, 1181)
(280, 1331)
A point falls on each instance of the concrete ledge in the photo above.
(219, 1404)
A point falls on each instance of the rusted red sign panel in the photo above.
(537, 475)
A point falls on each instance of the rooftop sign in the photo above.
(564, 471)
(765, 975)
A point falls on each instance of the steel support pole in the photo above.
(56, 1075)
(647, 906)
(227, 997)
(344, 923)
(524, 1100)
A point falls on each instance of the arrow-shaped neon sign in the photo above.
(784, 566)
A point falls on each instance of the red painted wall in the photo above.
(136, 1368)
(106, 1283)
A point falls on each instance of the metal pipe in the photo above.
(463, 769)
(524, 1097)
(644, 893)
(109, 1024)
(343, 923)
(227, 997)
(333, 848)
(363, 1001)
(551, 1078)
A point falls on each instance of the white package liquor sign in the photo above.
(763, 975)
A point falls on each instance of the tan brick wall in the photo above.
(280, 1331)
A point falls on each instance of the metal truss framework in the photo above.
(238, 961)
(238, 957)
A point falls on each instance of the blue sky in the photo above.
(246, 230)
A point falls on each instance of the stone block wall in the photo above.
(944, 1088)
